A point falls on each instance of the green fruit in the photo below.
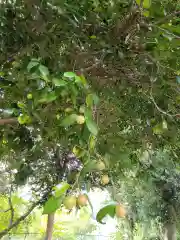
(100, 165)
(69, 202)
(29, 96)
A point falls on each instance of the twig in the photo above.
(166, 31)
(100, 61)
(8, 121)
(168, 17)
(161, 110)
(4, 211)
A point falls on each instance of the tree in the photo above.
(129, 53)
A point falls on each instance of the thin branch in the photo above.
(161, 110)
(4, 211)
(20, 219)
(166, 31)
(168, 17)
(8, 121)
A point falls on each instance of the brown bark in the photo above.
(8, 121)
(170, 223)
(49, 229)
(170, 231)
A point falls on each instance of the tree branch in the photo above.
(161, 110)
(168, 17)
(8, 121)
(49, 229)
(20, 219)
(4, 211)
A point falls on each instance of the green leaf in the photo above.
(24, 119)
(107, 210)
(95, 99)
(160, 128)
(69, 75)
(146, 3)
(59, 82)
(90, 166)
(44, 72)
(69, 120)
(81, 79)
(92, 143)
(60, 189)
(146, 13)
(92, 99)
(91, 125)
(2, 74)
(78, 151)
(48, 97)
(52, 205)
(21, 105)
(33, 63)
(89, 100)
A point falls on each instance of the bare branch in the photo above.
(161, 110)
(8, 121)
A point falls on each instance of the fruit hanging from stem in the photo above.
(120, 211)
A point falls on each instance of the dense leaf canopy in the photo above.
(89, 81)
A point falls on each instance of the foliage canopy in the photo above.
(90, 81)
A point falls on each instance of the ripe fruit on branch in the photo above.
(120, 211)
(80, 119)
(105, 179)
(82, 200)
(69, 202)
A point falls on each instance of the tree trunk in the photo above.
(49, 229)
(170, 231)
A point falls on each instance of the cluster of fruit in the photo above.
(82, 200)
(71, 201)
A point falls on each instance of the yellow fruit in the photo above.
(120, 211)
(82, 109)
(70, 202)
(80, 119)
(68, 110)
(100, 166)
(105, 179)
(82, 200)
